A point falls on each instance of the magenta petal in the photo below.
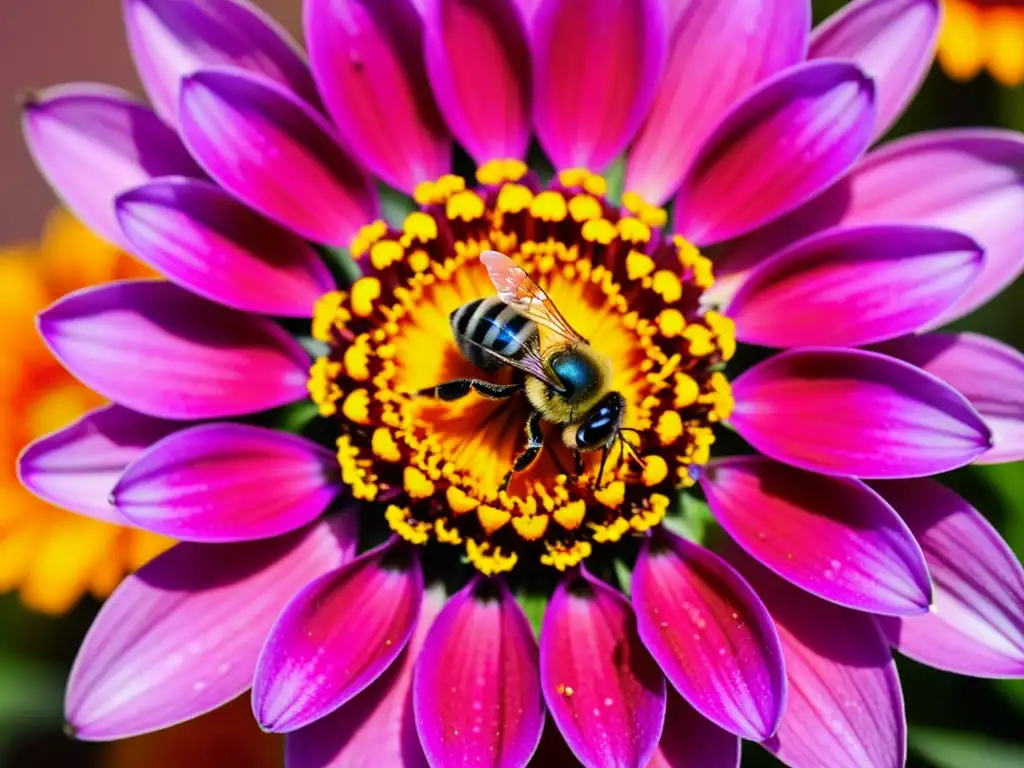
(998, 394)
(603, 689)
(276, 154)
(477, 689)
(782, 145)
(93, 142)
(378, 727)
(336, 637)
(596, 68)
(711, 636)
(845, 707)
(478, 60)
(705, 78)
(690, 740)
(832, 536)
(367, 59)
(159, 350)
(171, 39)
(976, 626)
(848, 412)
(849, 287)
(893, 41)
(77, 467)
(228, 482)
(181, 636)
(206, 241)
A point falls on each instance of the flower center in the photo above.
(437, 467)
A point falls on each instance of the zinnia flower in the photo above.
(984, 34)
(372, 593)
(50, 556)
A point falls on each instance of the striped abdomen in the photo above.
(492, 325)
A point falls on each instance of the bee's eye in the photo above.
(600, 424)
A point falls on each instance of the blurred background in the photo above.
(53, 567)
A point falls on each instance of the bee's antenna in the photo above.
(628, 447)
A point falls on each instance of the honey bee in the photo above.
(567, 382)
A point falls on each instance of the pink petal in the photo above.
(161, 351)
(77, 467)
(893, 41)
(711, 636)
(367, 59)
(604, 691)
(180, 637)
(478, 60)
(976, 626)
(848, 412)
(93, 142)
(477, 690)
(171, 39)
(377, 728)
(276, 154)
(228, 482)
(690, 740)
(832, 536)
(845, 707)
(705, 78)
(849, 287)
(336, 637)
(596, 68)
(998, 394)
(207, 242)
(786, 142)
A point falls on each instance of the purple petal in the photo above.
(849, 412)
(276, 154)
(603, 689)
(228, 482)
(477, 689)
(849, 287)
(336, 637)
(77, 467)
(596, 67)
(367, 59)
(705, 78)
(893, 41)
(832, 536)
(711, 636)
(998, 394)
(845, 707)
(782, 145)
(93, 142)
(181, 636)
(207, 242)
(690, 740)
(171, 39)
(376, 728)
(161, 351)
(478, 60)
(976, 626)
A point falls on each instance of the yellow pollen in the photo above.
(638, 265)
(418, 260)
(634, 231)
(365, 291)
(724, 329)
(357, 406)
(612, 495)
(670, 322)
(492, 518)
(322, 385)
(489, 561)
(417, 484)
(420, 226)
(701, 340)
(357, 359)
(384, 445)
(459, 501)
(667, 286)
(584, 208)
(669, 427)
(651, 515)
(655, 470)
(596, 185)
(367, 236)
(651, 215)
(495, 172)
(352, 473)
(466, 205)
(562, 556)
(531, 527)
(445, 534)
(399, 520)
(328, 313)
(609, 533)
(686, 390)
(571, 515)
(384, 253)
(514, 198)
(599, 230)
(573, 177)
(549, 206)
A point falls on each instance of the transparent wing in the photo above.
(530, 363)
(517, 289)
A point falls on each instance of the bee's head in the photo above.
(601, 423)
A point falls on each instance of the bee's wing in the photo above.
(530, 363)
(517, 289)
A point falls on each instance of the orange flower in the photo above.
(980, 34)
(53, 557)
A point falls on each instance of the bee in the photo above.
(567, 381)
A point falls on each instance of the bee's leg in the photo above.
(534, 442)
(604, 460)
(456, 389)
(578, 457)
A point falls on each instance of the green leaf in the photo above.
(31, 695)
(394, 205)
(292, 418)
(692, 520)
(624, 575)
(343, 267)
(533, 604)
(951, 749)
(615, 175)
